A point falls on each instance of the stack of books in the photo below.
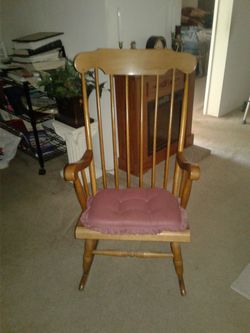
(39, 51)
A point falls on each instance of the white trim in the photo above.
(211, 56)
(217, 63)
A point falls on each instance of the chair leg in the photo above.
(178, 264)
(88, 256)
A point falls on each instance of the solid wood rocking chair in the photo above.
(139, 213)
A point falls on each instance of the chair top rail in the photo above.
(135, 62)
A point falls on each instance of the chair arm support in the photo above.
(193, 170)
(192, 173)
(71, 170)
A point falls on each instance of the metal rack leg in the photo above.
(42, 170)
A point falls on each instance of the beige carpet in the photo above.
(41, 261)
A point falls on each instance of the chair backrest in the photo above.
(152, 71)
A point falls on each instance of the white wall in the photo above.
(83, 22)
(1, 20)
(228, 82)
(190, 3)
(89, 24)
(141, 19)
(236, 84)
(218, 56)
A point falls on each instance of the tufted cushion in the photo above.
(134, 211)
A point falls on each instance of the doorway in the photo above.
(198, 18)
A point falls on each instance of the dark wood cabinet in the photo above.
(134, 86)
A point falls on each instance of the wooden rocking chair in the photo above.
(136, 212)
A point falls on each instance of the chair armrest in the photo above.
(192, 169)
(191, 172)
(71, 170)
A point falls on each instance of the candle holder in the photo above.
(120, 44)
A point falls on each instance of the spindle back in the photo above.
(110, 64)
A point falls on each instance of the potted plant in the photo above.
(64, 85)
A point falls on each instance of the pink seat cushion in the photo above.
(134, 211)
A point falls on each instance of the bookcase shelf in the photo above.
(43, 144)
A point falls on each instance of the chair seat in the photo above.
(134, 211)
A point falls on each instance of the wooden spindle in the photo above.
(100, 131)
(184, 177)
(155, 132)
(177, 171)
(117, 253)
(127, 133)
(88, 136)
(113, 122)
(166, 172)
(141, 133)
(186, 192)
(85, 183)
(183, 116)
(81, 195)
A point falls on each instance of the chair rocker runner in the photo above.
(140, 212)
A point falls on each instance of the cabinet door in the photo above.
(148, 117)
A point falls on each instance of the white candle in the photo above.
(119, 24)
